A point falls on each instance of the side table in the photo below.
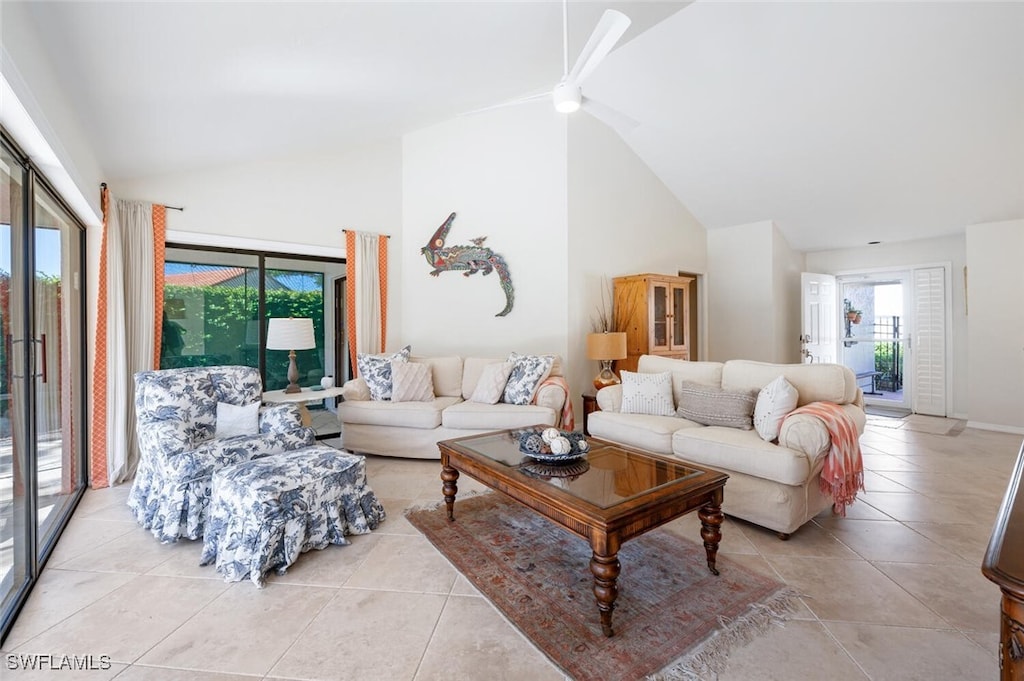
(301, 398)
(589, 407)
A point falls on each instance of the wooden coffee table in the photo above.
(614, 494)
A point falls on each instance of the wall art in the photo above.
(468, 260)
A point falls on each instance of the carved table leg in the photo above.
(711, 518)
(606, 571)
(450, 488)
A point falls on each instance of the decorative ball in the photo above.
(533, 443)
(561, 445)
(550, 434)
(582, 445)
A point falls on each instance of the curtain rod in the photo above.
(103, 185)
(386, 236)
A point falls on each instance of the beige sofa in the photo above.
(772, 485)
(413, 429)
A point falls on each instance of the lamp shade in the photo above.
(290, 333)
(606, 346)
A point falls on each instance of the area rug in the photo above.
(673, 619)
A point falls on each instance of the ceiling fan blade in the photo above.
(613, 118)
(608, 31)
(512, 102)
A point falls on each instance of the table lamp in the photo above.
(291, 333)
(606, 347)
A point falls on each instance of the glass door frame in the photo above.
(37, 550)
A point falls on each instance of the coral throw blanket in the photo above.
(568, 420)
(842, 476)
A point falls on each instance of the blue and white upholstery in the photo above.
(267, 511)
(176, 422)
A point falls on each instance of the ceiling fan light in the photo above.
(567, 98)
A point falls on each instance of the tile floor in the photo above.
(893, 591)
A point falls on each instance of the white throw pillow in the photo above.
(233, 420)
(491, 385)
(411, 382)
(647, 394)
(528, 372)
(376, 371)
(774, 402)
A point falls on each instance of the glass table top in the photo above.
(608, 475)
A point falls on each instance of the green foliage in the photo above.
(226, 311)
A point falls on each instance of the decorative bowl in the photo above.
(537, 444)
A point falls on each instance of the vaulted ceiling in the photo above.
(843, 122)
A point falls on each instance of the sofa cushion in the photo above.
(491, 385)
(411, 382)
(528, 372)
(713, 406)
(478, 416)
(447, 374)
(814, 382)
(774, 402)
(706, 373)
(376, 371)
(472, 367)
(644, 393)
(653, 433)
(403, 414)
(731, 449)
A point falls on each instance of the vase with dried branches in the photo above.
(607, 343)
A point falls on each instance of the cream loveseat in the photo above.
(413, 429)
(772, 485)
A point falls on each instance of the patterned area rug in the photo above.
(673, 619)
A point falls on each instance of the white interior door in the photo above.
(819, 319)
(928, 359)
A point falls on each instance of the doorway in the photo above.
(874, 318)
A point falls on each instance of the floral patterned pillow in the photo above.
(376, 371)
(528, 372)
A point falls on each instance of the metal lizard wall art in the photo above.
(469, 259)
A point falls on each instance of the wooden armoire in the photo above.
(655, 310)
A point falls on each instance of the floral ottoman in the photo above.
(265, 512)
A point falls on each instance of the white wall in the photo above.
(293, 204)
(901, 255)
(741, 296)
(622, 220)
(995, 325)
(28, 70)
(504, 173)
(787, 265)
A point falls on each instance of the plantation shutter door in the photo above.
(929, 341)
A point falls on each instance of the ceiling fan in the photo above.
(567, 94)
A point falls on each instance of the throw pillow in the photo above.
(411, 382)
(376, 371)
(713, 406)
(233, 420)
(528, 372)
(774, 402)
(647, 393)
(491, 385)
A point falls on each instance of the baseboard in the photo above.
(1016, 430)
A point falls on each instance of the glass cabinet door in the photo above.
(680, 318)
(660, 319)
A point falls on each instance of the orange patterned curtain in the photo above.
(366, 293)
(128, 327)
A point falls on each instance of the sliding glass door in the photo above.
(42, 453)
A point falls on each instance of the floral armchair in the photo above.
(176, 422)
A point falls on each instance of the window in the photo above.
(217, 301)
